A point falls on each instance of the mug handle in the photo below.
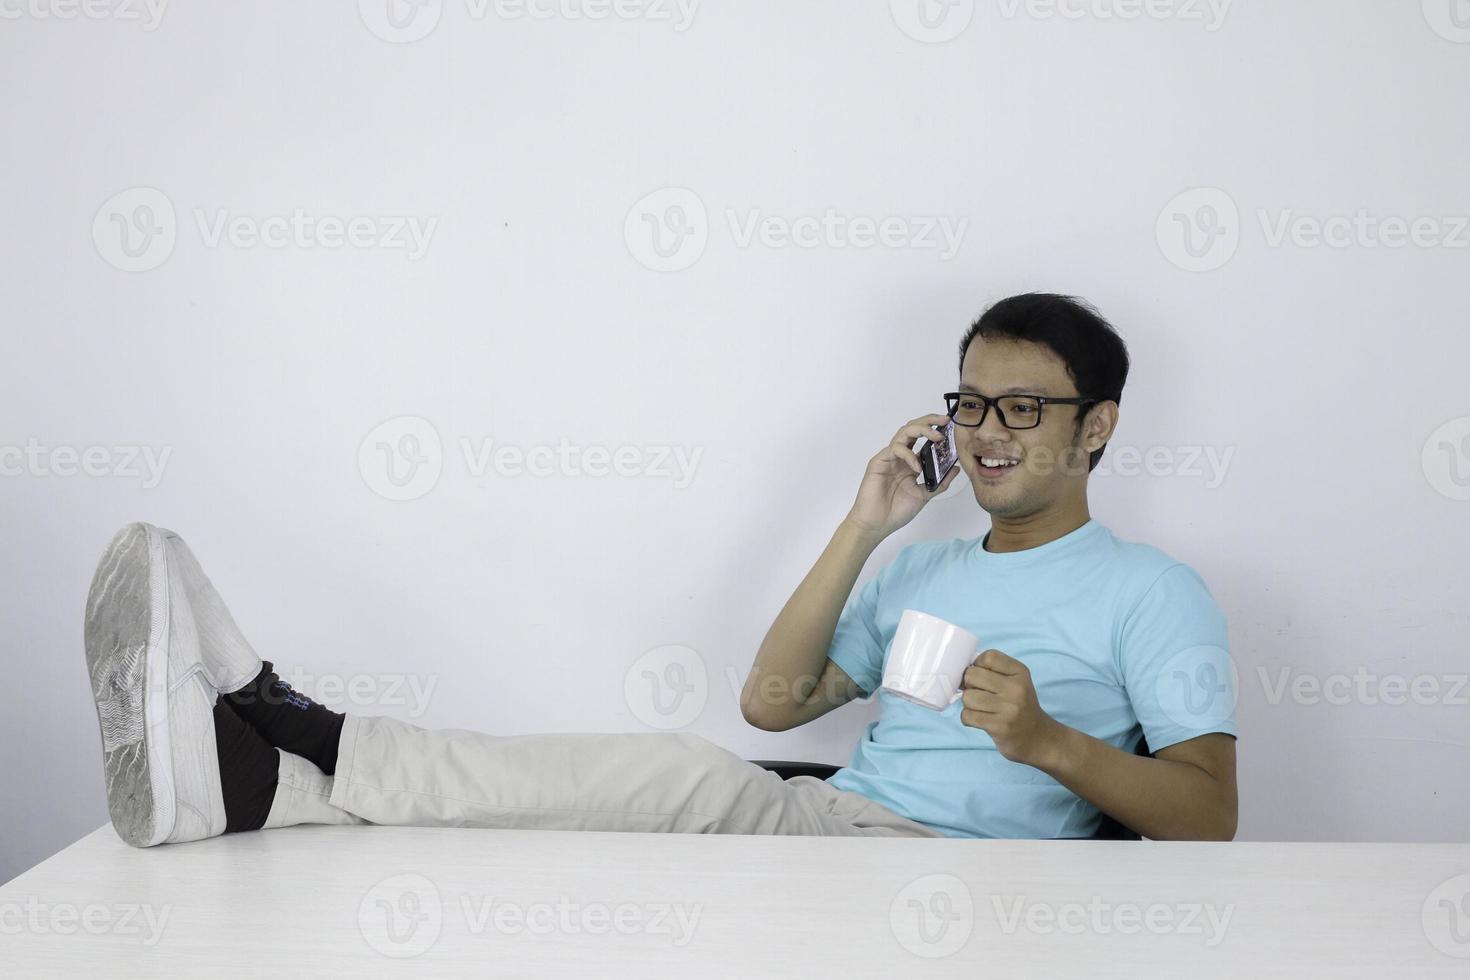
(959, 693)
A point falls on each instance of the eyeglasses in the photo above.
(1016, 411)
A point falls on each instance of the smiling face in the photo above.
(1051, 472)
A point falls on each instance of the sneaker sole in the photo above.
(127, 636)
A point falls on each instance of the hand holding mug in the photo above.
(999, 698)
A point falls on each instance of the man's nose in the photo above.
(992, 428)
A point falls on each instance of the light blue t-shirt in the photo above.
(1122, 641)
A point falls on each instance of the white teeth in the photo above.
(997, 462)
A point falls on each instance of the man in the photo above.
(201, 737)
(1090, 642)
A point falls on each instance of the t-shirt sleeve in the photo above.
(1175, 660)
(857, 646)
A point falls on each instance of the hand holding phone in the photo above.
(884, 504)
(937, 458)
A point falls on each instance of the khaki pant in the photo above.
(393, 773)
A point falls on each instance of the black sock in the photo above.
(248, 770)
(288, 719)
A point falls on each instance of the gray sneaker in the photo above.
(229, 660)
(154, 688)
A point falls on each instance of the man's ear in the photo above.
(1102, 421)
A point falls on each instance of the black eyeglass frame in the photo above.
(952, 397)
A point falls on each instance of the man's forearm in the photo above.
(794, 651)
(1159, 798)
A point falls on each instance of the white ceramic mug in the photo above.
(927, 660)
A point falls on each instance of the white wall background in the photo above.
(1335, 541)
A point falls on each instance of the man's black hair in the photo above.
(1095, 356)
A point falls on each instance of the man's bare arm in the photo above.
(1187, 792)
(792, 681)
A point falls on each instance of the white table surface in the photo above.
(314, 901)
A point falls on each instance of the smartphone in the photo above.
(936, 459)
